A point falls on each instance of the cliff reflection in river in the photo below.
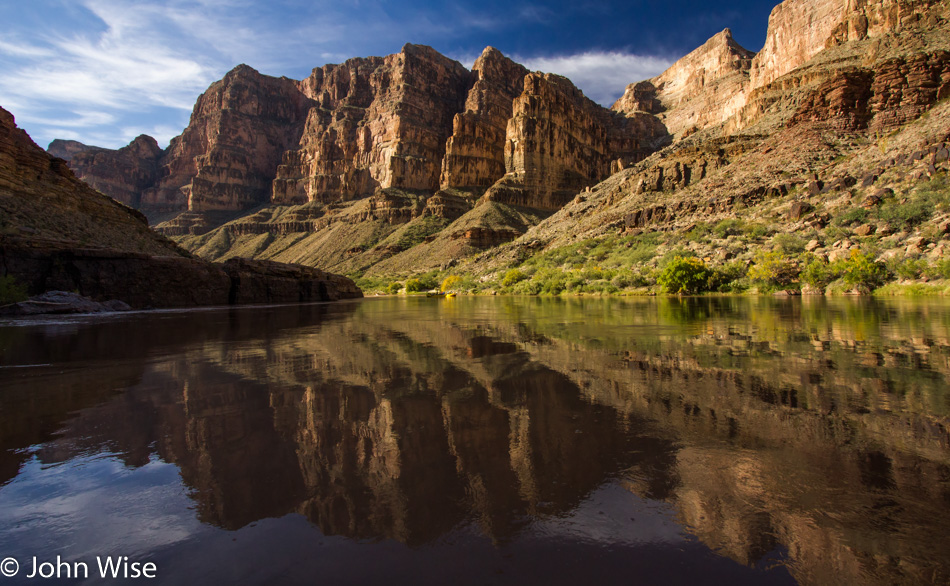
(817, 428)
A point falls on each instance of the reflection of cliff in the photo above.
(769, 426)
(379, 437)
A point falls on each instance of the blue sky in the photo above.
(105, 71)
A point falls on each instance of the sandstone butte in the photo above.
(402, 164)
(57, 233)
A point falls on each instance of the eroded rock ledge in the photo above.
(145, 281)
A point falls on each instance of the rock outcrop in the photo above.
(377, 123)
(559, 142)
(475, 153)
(227, 156)
(702, 89)
(66, 149)
(800, 29)
(890, 94)
(57, 233)
(121, 174)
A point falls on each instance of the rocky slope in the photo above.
(845, 153)
(57, 233)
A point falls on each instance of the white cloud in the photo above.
(81, 119)
(601, 75)
(145, 63)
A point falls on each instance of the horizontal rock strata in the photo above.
(72, 238)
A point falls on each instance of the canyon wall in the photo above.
(415, 121)
(225, 158)
(475, 153)
(800, 29)
(701, 89)
(558, 142)
(377, 123)
(121, 174)
(721, 80)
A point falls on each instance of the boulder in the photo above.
(61, 302)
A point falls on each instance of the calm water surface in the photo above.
(484, 441)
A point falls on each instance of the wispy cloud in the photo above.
(602, 76)
(110, 67)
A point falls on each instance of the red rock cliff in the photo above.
(378, 123)
(227, 156)
(475, 153)
(701, 89)
(558, 142)
(121, 174)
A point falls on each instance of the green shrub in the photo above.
(852, 216)
(628, 279)
(772, 269)
(393, 288)
(414, 286)
(685, 275)
(789, 243)
(11, 291)
(938, 270)
(513, 276)
(528, 287)
(730, 227)
(429, 280)
(907, 215)
(818, 273)
(728, 277)
(756, 230)
(861, 270)
(909, 268)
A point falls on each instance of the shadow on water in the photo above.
(787, 435)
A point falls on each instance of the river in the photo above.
(482, 440)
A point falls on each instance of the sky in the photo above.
(104, 71)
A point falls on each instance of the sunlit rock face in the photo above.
(377, 123)
(720, 79)
(226, 157)
(415, 121)
(475, 153)
(702, 89)
(558, 142)
(800, 29)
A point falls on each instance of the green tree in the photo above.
(685, 276)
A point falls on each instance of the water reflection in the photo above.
(810, 432)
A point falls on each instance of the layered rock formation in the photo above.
(57, 233)
(379, 122)
(414, 121)
(559, 142)
(702, 89)
(121, 174)
(475, 153)
(226, 157)
(800, 29)
(65, 149)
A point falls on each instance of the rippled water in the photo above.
(484, 441)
